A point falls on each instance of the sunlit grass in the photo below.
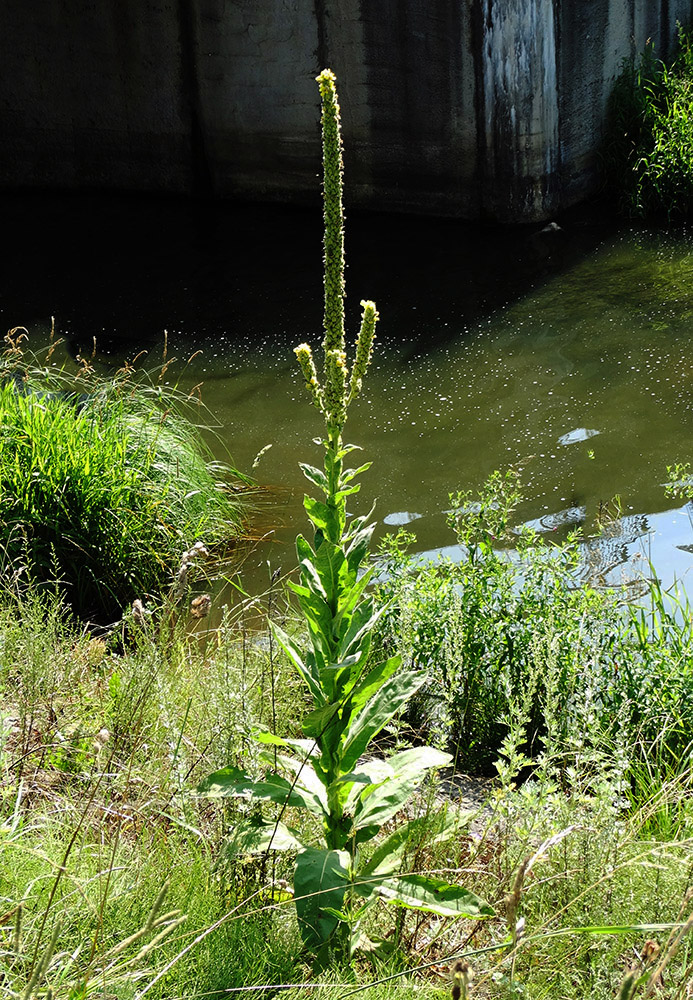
(103, 490)
(100, 752)
(648, 148)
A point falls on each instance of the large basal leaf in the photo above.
(381, 803)
(231, 782)
(259, 836)
(432, 895)
(377, 712)
(320, 881)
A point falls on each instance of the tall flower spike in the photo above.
(364, 347)
(335, 399)
(305, 360)
(333, 167)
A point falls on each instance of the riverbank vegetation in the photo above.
(508, 624)
(105, 482)
(146, 775)
(648, 150)
(580, 843)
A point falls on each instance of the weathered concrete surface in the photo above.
(474, 108)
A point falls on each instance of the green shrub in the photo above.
(648, 151)
(497, 630)
(103, 492)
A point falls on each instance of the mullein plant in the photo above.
(349, 796)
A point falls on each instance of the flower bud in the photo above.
(305, 360)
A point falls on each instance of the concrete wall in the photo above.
(475, 108)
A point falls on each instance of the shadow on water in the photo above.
(563, 348)
(123, 269)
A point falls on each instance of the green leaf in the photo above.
(307, 780)
(351, 785)
(379, 804)
(291, 649)
(335, 677)
(365, 834)
(320, 881)
(310, 577)
(355, 525)
(377, 712)
(330, 565)
(316, 612)
(373, 681)
(432, 830)
(315, 723)
(351, 596)
(348, 492)
(326, 519)
(432, 895)
(350, 474)
(361, 625)
(315, 476)
(359, 546)
(306, 747)
(259, 836)
(231, 782)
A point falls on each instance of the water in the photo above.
(566, 351)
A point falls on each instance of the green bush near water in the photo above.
(103, 492)
(648, 148)
(500, 634)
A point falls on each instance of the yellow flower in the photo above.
(364, 347)
(305, 360)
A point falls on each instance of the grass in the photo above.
(104, 484)
(648, 146)
(98, 755)
(99, 752)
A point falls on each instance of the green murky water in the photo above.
(568, 351)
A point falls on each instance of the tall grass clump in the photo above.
(648, 147)
(103, 486)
